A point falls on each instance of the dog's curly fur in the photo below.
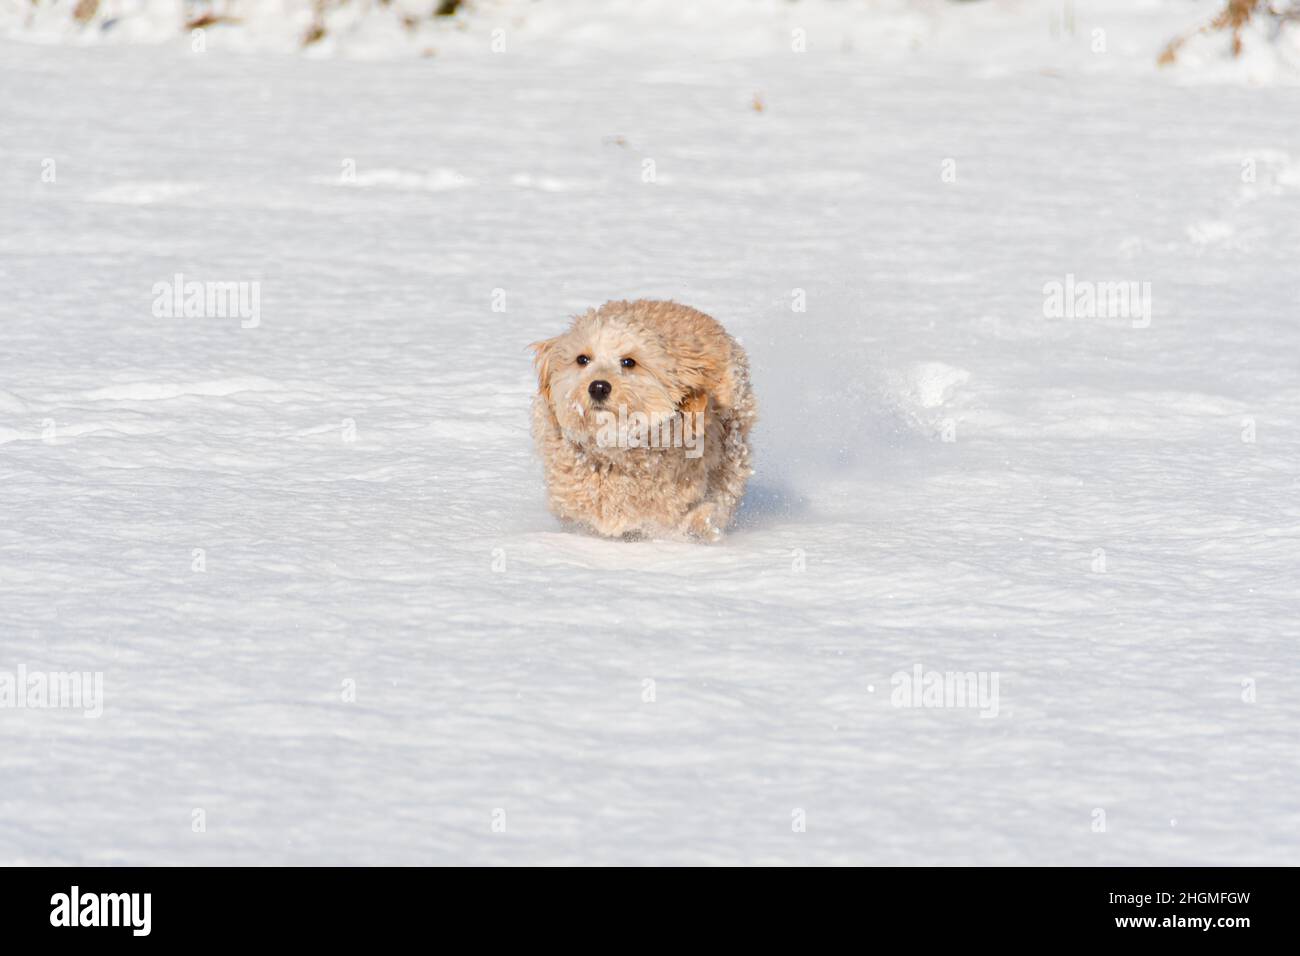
(684, 368)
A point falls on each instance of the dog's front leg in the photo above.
(702, 523)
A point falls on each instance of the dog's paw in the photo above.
(701, 524)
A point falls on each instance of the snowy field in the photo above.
(308, 552)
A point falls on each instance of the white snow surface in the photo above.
(1100, 511)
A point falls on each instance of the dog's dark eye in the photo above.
(628, 363)
(584, 360)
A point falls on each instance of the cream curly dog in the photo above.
(642, 419)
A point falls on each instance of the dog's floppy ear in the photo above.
(543, 357)
(693, 405)
(696, 400)
(704, 367)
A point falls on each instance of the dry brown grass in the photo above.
(315, 33)
(204, 20)
(1233, 18)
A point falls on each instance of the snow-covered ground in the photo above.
(308, 552)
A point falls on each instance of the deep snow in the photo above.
(1103, 515)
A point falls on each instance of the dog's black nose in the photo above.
(599, 389)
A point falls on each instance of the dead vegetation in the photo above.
(316, 32)
(1232, 19)
(205, 20)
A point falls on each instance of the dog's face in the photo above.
(608, 367)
